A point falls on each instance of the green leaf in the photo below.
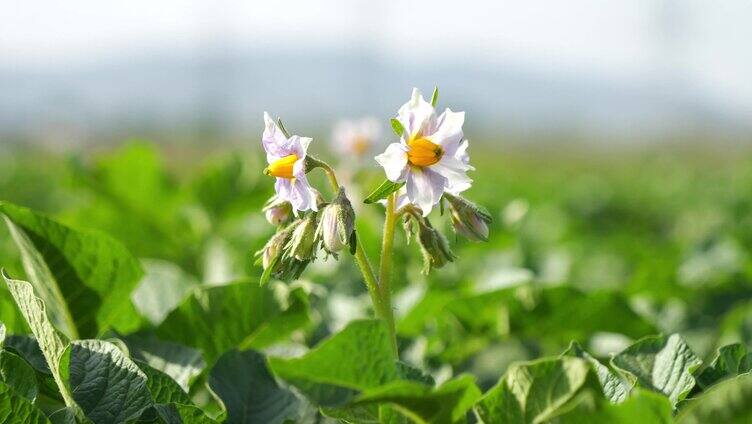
(614, 387)
(163, 287)
(409, 372)
(18, 374)
(15, 409)
(424, 404)
(730, 361)
(162, 388)
(357, 358)
(385, 189)
(2, 334)
(249, 392)
(397, 127)
(642, 406)
(175, 413)
(561, 313)
(726, 402)
(84, 277)
(28, 348)
(183, 364)
(216, 319)
(65, 416)
(435, 96)
(48, 339)
(107, 385)
(534, 392)
(660, 363)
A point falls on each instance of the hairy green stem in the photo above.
(385, 267)
(380, 294)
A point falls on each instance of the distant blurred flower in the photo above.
(431, 156)
(356, 138)
(287, 157)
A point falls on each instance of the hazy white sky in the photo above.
(707, 42)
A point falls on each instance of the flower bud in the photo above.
(434, 246)
(273, 248)
(277, 211)
(468, 219)
(303, 240)
(337, 223)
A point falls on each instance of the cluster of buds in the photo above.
(468, 220)
(295, 244)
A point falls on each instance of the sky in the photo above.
(702, 42)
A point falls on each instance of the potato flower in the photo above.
(356, 138)
(287, 162)
(431, 157)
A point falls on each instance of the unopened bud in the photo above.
(273, 248)
(468, 219)
(303, 240)
(434, 246)
(277, 211)
(337, 223)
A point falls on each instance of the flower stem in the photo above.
(385, 267)
(380, 295)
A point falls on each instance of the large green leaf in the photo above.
(181, 363)
(535, 392)
(18, 374)
(728, 402)
(15, 409)
(249, 392)
(216, 319)
(562, 314)
(448, 403)
(162, 289)
(730, 361)
(175, 413)
(642, 406)
(661, 363)
(49, 341)
(85, 278)
(357, 358)
(27, 347)
(162, 388)
(107, 385)
(614, 387)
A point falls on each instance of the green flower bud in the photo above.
(433, 246)
(337, 224)
(303, 240)
(468, 219)
(277, 211)
(274, 248)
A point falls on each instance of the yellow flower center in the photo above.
(282, 167)
(360, 145)
(422, 152)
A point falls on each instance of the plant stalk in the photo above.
(380, 295)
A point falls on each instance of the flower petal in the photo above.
(417, 115)
(424, 188)
(449, 134)
(302, 196)
(274, 141)
(455, 173)
(394, 161)
(462, 155)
